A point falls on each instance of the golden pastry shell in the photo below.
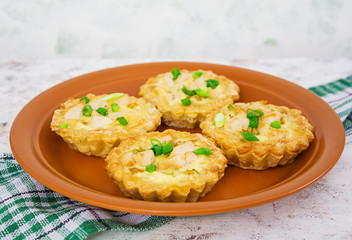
(178, 115)
(170, 191)
(260, 155)
(98, 142)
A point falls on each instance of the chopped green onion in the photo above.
(253, 122)
(112, 96)
(64, 125)
(115, 107)
(212, 83)
(102, 111)
(154, 141)
(188, 92)
(202, 151)
(157, 149)
(186, 101)
(87, 110)
(197, 74)
(135, 151)
(167, 148)
(230, 107)
(122, 121)
(255, 113)
(203, 92)
(249, 136)
(219, 120)
(175, 72)
(86, 99)
(275, 124)
(150, 168)
(195, 171)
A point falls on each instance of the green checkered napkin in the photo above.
(338, 95)
(28, 210)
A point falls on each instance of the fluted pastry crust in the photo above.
(275, 146)
(180, 176)
(166, 94)
(97, 134)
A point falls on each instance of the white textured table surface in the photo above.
(322, 211)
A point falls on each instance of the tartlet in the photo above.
(93, 125)
(258, 135)
(184, 172)
(184, 97)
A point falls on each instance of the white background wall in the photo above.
(171, 29)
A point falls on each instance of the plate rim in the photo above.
(178, 209)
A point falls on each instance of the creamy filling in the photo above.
(76, 119)
(186, 79)
(181, 159)
(239, 122)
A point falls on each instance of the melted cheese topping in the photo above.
(236, 121)
(128, 109)
(180, 162)
(174, 93)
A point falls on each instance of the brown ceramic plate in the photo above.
(47, 158)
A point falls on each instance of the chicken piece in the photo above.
(144, 158)
(169, 81)
(123, 101)
(200, 82)
(182, 149)
(127, 159)
(237, 123)
(99, 121)
(97, 104)
(260, 105)
(75, 112)
(165, 139)
(190, 157)
(175, 162)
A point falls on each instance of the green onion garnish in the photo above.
(86, 99)
(249, 136)
(195, 171)
(157, 149)
(230, 107)
(253, 119)
(203, 92)
(219, 120)
(87, 110)
(175, 72)
(186, 101)
(253, 122)
(122, 121)
(112, 96)
(197, 74)
(135, 151)
(150, 168)
(275, 124)
(212, 83)
(102, 111)
(188, 92)
(64, 125)
(115, 107)
(255, 113)
(202, 151)
(167, 148)
(154, 141)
